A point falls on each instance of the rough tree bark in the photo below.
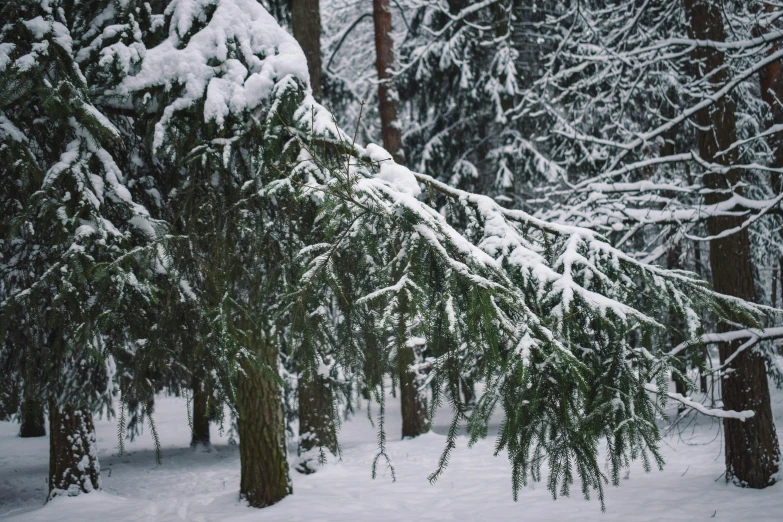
(261, 424)
(387, 96)
(752, 451)
(73, 455)
(306, 26)
(317, 430)
(199, 435)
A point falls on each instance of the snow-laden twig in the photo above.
(710, 412)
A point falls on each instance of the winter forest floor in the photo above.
(197, 486)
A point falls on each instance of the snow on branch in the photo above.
(753, 334)
(711, 412)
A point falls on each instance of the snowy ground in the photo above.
(197, 486)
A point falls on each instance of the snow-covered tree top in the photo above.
(231, 63)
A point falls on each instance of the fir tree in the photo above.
(70, 271)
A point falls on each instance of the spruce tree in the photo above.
(601, 135)
(315, 392)
(69, 268)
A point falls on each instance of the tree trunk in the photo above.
(413, 406)
(73, 456)
(675, 326)
(468, 391)
(261, 424)
(752, 450)
(32, 410)
(306, 25)
(199, 435)
(387, 96)
(9, 398)
(32, 416)
(316, 422)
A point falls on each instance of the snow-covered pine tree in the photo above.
(602, 137)
(623, 92)
(73, 263)
(315, 392)
(207, 90)
(412, 401)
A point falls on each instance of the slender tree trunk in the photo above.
(261, 424)
(752, 451)
(32, 415)
(705, 355)
(675, 324)
(199, 436)
(9, 398)
(468, 391)
(306, 25)
(413, 405)
(32, 410)
(414, 408)
(73, 455)
(702, 375)
(387, 96)
(317, 429)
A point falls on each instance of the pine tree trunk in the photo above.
(468, 391)
(413, 406)
(73, 455)
(199, 436)
(317, 430)
(384, 61)
(675, 323)
(9, 398)
(32, 417)
(32, 408)
(752, 450)
(705, 355)
(703, 376)
(306, 25)
(261, 424)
